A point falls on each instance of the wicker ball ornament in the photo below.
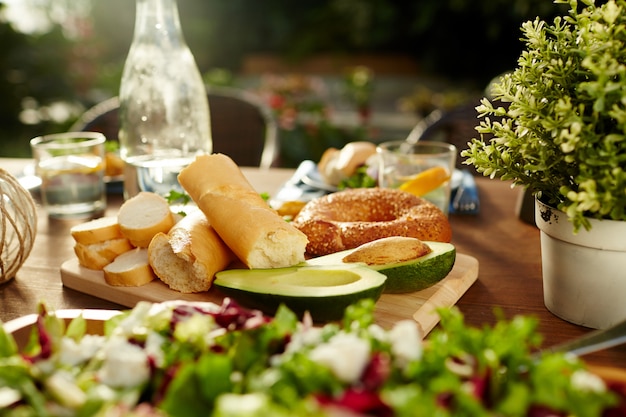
(18, 225)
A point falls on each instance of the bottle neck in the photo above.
(157, 21)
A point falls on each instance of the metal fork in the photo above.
(466, 197)
(594, 341)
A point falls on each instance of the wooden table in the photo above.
(507, 249)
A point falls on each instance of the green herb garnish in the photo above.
(360, 179)
(177, 197)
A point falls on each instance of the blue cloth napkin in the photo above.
(295, 189)
(301, 187)
(464, 197)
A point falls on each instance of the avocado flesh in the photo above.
(323, 291)
(407, 276)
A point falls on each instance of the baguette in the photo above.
(98, 255)
(246, 223)
(143, 216)
(130, 269)
(188, 258)
(97, 230)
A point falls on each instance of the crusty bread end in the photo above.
(176, 272)
(276, 249)
(188, 258)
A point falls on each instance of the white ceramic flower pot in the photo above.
(584, 274)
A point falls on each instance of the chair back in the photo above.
(455, 126)
(103, 118)
(242, 126)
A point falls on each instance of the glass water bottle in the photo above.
(164, 110)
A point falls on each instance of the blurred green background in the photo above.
(59, 57)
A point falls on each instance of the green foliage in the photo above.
(45, 71)
(303, 116)
(41, 78)
(557, 123)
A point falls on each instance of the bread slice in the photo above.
(143, 216)
(188, 258)
(130, 269)
(98, 255)
(246, 223)
(97, 230)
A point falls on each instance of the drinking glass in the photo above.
(71, 168)
(423, 168)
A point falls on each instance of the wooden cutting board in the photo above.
(390, 308)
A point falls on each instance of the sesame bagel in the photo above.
(350, 218)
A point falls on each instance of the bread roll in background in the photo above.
(336, 165)
(246, 223)
(189, 256)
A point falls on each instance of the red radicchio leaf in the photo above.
(45, 342)
(542, 411)
(377, 371)
(234, 317)
(480, 384)
(359, 401)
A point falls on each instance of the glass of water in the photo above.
(71, 168)
(422, 168)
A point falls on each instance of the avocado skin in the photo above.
(322, 309)
(428, 273)
(408, 276)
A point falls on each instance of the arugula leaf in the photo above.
(197, 386)
(8, 347)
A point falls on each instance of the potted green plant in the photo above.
(557, 126)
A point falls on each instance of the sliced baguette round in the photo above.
(143, 216)
(246, 223)
(130, 269)
(98, 255)
(97, 230)
(188, 258)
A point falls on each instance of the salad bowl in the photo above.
(350, 368)
(21, 328)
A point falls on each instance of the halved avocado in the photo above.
(406, 276)
(324, 291)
